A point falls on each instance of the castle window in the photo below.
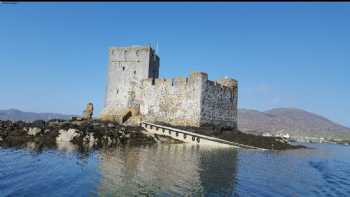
(123, 68)
(134, 72)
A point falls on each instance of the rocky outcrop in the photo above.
(88, 112)
(96, 134)
(55, 133)
(67, 135)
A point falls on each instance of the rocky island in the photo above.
(94, 134)
(135, 93)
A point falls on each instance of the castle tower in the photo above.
(127, 67)
(233, 85)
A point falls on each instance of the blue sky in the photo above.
(53, 57)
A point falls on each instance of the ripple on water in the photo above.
(49, 172)
(176, 170)
(334, 179)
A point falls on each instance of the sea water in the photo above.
(175, 170)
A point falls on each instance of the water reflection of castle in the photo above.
(167, 170)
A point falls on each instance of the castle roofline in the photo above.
(132, 46)
(228, 79)
(199, 74)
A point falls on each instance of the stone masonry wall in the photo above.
(191, 101)
(175, 101)
(127, 67)
(219, 103)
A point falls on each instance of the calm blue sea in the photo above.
(175, 170)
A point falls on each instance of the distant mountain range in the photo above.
(292, 121)
(15, 115)
(295, 122)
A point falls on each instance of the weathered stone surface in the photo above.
(127, 67)
(88, 112)
(67, 136)
(219, 103)
(192, 101)
(176, 101)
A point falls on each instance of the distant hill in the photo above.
(295, 122)
(15, 115)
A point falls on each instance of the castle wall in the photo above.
(191, 101)
(219, 103)
(127, 67)
(175, 101)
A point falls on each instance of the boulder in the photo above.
(67, 135)
(33, 131)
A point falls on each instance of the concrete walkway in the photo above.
(190, 137)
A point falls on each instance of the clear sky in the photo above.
(53, 57)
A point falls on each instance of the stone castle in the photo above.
(135, 89)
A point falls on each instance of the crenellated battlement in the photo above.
(228, 82)
(177, 81)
